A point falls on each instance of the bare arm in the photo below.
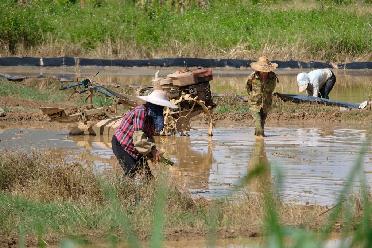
(315, 91)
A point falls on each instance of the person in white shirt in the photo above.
(317, 83)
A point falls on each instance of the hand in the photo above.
(155, 155)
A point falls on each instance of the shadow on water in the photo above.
(259, 169)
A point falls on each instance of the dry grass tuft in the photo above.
(46, 177)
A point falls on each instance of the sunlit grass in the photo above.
(233, 29)
(15, 89)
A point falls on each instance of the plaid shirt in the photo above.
(135, 120)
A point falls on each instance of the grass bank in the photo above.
(47, 91)
(311, 30)
(44, 200)
(34, 93)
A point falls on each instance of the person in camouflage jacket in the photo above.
(260, 86)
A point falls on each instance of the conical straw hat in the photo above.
(263, 64)
(158, 97)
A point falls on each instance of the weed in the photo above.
(49, 94)
(101, 101)
(222, 109)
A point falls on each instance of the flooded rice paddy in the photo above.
(315, 162)
(351, 85)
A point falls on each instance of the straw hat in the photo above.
(303, 81)
(158, 97)
(263, 64)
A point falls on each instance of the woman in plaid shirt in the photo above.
(133, 139)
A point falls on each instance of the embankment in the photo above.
(311, 30)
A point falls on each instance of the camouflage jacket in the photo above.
(260, 93)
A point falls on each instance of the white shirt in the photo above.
(317, 80)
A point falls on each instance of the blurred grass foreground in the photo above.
(46, 201)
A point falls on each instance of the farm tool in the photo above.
(189, 90)
(88, 112)
(88, 85)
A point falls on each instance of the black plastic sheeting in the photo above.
(14, 78)
(304, 98)
(167, 62)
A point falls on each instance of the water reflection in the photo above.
(259, 170)
(315, 162)
(190, 162)
(98, 151)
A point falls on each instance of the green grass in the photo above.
(14, 89)
(224, 109)
(48, 94)
(223, 29)
(101, 101)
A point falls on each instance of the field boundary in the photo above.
(170, 62)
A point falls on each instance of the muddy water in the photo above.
(351, 85)
(236, 242)
(314, 162)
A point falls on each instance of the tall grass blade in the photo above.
(68, 244)
(363, 234)
(119, 217)
(21, 236)
(212, 224)
(274, 230)
(336, 212)
(157, 235)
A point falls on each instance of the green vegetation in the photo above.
(44, 94)
(47, 91)
(326, 30)
(101, 101)
(223, 109)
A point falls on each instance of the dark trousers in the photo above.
(130, 165)
(259, 121)
(327, 87)
(126, 161)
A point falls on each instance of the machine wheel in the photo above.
(179, 121)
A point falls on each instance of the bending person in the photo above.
(317, 83)
(133, 139)
(260, 86)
